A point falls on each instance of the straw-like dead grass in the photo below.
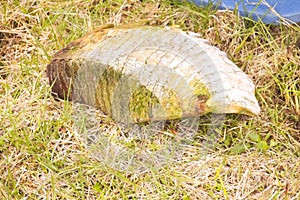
(43, 156)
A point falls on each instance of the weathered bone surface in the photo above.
(150, 73)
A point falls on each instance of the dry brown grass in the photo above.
(43, 156)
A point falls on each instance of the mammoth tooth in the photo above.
(145, 73)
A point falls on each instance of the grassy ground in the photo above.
(42, 156)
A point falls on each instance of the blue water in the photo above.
(257, 10)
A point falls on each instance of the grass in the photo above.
(43, 156)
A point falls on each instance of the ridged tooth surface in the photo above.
(150, 73)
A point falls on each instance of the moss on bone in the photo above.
(142, 102)
(171, 103)
(202, 93)
(105, 89)
(146, 105)
(200, 89)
